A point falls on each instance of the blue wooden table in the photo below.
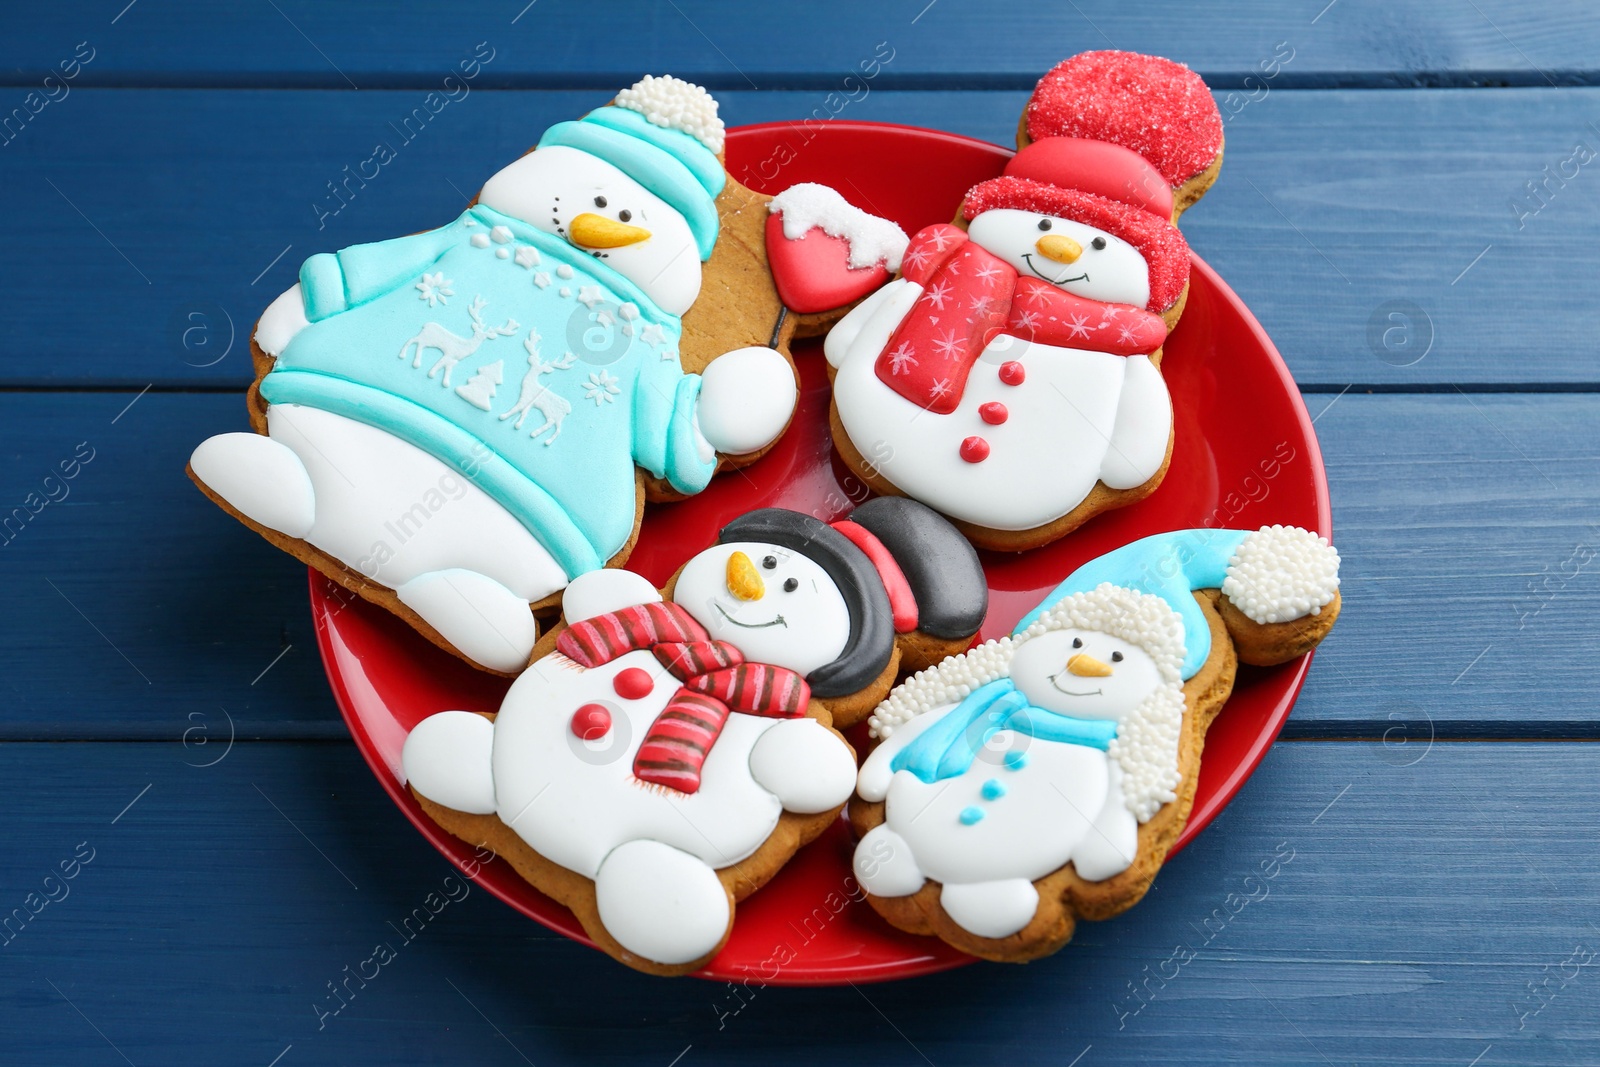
(1435, 798)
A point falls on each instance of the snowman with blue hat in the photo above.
(1013, 781)
(456, 423)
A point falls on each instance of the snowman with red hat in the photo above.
(1010, 377)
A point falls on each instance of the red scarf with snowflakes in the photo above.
(716, 682)
(969, 297)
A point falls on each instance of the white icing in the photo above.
(871, 239)
(1108, 849)
(284, 317)
(482, 618)
(1114, 274)
(604, 590)
(675, 104)
(1044, 459)
(746, 399)
(446, 759)
(264, 480)
(991, 909)
(884, 865)
(869, 324)
(661, 903)
(1144, 423)
(666, 265)
(804, 765)
(1281, 573)
(802, 629)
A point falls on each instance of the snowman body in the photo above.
(1061, 418)
(574, 801)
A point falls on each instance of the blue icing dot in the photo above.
(1016, 760)
(993, 789)
(971, 815)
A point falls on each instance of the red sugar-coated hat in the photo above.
(1153, 106)
(1164, 250)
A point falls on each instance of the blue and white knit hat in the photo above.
(665, 134)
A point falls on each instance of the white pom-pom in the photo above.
(675, 104)
(872, 239)
(1281, 573)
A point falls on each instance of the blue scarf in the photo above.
(948, 747)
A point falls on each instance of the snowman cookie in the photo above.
(457, 423)
(1010, 377)
(671, 750)
(1043, 777)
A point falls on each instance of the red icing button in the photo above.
(1012, 372)
(632, 683)
(994, 413)
(592, 721)
(974, 450)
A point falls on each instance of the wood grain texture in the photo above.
(1406, 913)
(729, 44)
(1447, 508)
(156, 225)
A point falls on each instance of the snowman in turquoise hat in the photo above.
(458, 415)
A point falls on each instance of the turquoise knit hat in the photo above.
(675, 165)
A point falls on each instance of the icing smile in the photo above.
(776, 620)
(1070, 693)
(1027, 257)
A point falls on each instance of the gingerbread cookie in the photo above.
(457, 423)
(671, 750)
(1010, 377)
(1043, 777)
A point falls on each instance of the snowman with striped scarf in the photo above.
(669, 751)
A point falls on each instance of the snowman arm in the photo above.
(334, 281)
(746, 399)
(284, 317)
(605, 590)
(448, 758)
(864, 324)
(1138, 444)
(873, 781)
(805, 765)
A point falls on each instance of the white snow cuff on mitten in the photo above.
(1281, 573)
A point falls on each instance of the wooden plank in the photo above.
(731, 45)
(134, 603)
(1344, 909)
(153, 245)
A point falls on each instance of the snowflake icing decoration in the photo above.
(601, 388)
(435, 288)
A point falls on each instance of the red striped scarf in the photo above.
(716, 681)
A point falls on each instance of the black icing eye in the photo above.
(791, 584)
(625, 215)
(1044, 224)
(1077, 642)
(770, 563)
(1116, 657)
(599, 201)
(1098, 243)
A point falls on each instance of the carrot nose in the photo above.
(1059, 248)
(597, 231)
(1086, 666)
(744, 581)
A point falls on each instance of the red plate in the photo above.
(1245, 456)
